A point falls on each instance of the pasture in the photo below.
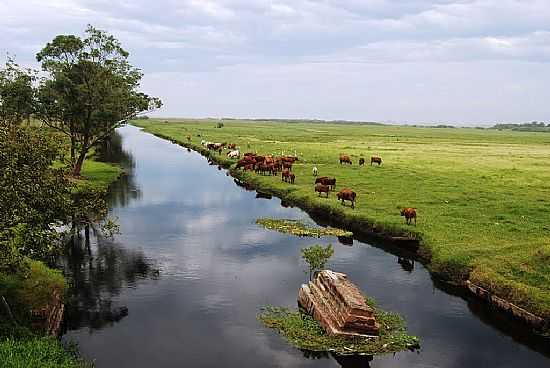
(482, 196)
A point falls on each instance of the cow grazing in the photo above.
(321, 188)
(288, 176)
(189, 137)
(315, 171)
(347, 195)
(345, 159)
(409, 214)
(234, 154)
(325, 180)
(232, 146)
(376, 159)
(361, 161)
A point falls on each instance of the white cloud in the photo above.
(281, 43)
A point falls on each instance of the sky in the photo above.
(462, 62)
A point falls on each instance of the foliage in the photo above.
(298, 228)
(43, 352)
(317, 257)
(33, 288)
(304, 332)
(34, 197)
(481, 195)
(91, 89)
(16, 93)
(533, 126)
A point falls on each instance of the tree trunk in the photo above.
(78, 164)
(73, 150)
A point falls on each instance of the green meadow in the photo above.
(482, 196)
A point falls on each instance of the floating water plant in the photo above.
(298, 228)
(304, 332)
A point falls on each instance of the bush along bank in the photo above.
(455, 271)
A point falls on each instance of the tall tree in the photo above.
(16, 93)
(91, 89)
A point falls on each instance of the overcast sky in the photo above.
(407, 61)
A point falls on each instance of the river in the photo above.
(182, 283)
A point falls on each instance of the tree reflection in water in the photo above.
(98, 270)
(97, 267)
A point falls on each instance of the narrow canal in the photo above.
(182, 284)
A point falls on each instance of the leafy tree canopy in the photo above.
(16, 93)
(91, 89)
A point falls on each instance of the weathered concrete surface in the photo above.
(338, 305)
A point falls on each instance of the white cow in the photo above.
(315, 171)
(203, 142)
(234, 154)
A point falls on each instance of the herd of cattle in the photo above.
(270, 165)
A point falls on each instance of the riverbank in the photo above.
(471, 217)
(33, 298)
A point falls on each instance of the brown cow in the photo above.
(321, 188)
(325, 180)
(345, 159)
(410, 214)
(376, 159)
(287, 165)
(288, 176)
(361, 161)
(189, 137)
(347, 195)
(232, 146)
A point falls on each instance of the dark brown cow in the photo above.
(264, 168)
(321, 188)
(361, 161)
(409, 214)
(347, 195)
(376, 159)
(287, 165)
(325, 180)
(345, 159)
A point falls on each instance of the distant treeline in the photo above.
(534, 126)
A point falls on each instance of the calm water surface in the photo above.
(182, 284)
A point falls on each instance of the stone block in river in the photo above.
(338, 305)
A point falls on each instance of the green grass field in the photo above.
(482, 195)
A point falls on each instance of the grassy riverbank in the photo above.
(482, 195)
(21, 343)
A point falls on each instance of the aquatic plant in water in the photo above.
(298, 228)
(304, 332)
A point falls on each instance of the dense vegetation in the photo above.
(481, 195)
(87, 90)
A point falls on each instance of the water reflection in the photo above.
(218, 268)
(99, 270)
